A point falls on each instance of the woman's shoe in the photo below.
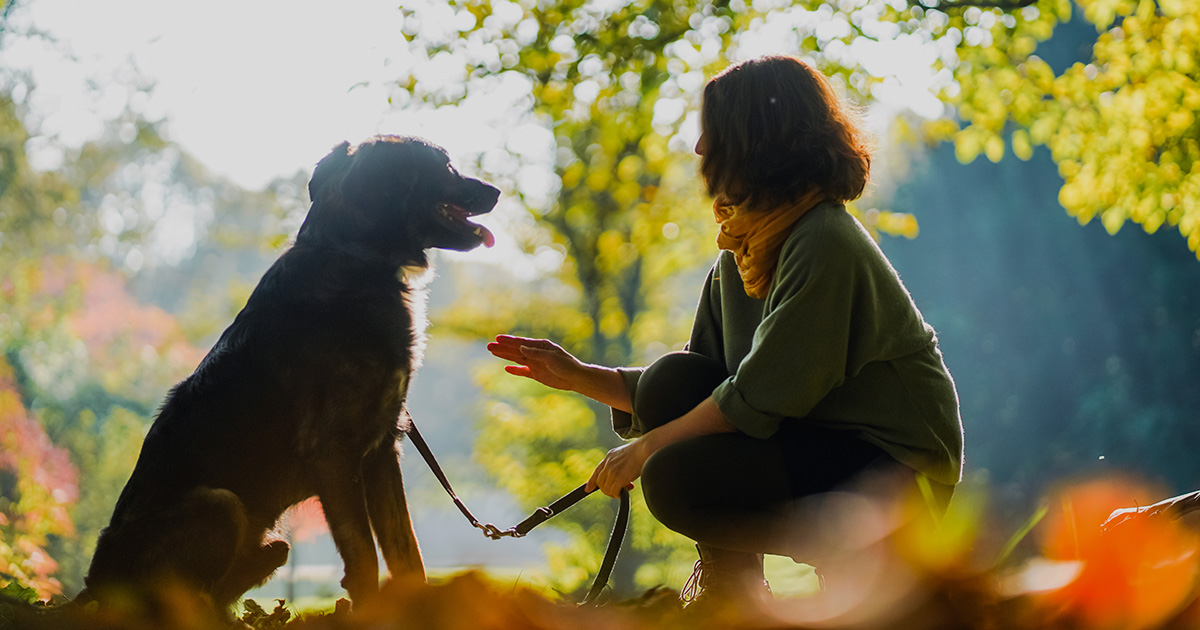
(725, 579)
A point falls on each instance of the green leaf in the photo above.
(18, 592)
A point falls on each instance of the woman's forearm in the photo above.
(604, 385)
(704, 419)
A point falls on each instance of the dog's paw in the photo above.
(275, 553)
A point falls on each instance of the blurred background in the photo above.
(1035, 184)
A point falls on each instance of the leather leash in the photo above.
(539, 516)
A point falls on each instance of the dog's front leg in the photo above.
(389, 513)
(342, 498)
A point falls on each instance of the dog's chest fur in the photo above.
(380, 318)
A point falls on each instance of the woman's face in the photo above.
(701, 145)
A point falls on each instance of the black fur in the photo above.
(302, 395)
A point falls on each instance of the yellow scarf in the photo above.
(756, 237)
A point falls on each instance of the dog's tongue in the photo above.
(488, 239)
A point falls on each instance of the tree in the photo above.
(1120, 125)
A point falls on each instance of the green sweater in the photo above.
(837, 342)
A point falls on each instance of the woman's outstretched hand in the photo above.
(541, 360)
(547, 363)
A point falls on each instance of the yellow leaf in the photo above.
(966, 147)
(1022, 147)
(1113, 219)
(994, 148)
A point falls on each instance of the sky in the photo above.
(254, 89)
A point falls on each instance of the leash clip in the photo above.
(495, 533)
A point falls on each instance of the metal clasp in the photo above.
(495, 533)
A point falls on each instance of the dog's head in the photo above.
(395, 196)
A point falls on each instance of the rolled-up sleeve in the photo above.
(625, 424)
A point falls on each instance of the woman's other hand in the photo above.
(619, 468)
(624, 464)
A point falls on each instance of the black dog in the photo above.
(302, 396)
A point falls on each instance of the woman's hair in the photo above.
(773, 129)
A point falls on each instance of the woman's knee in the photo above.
(674, 384)
(667, 493)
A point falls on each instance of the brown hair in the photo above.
(773, 129)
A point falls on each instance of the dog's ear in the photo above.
(328, 168)
(323, 220)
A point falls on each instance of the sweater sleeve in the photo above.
(625, 424)
(799, 352)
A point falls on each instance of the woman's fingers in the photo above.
(605, 484)
(538, 359)
(615, 472)
(602, 478)
(509, 341)
(509, 351)
(506, 348)
(517, 348)
(513, 339)
(540, 354)
(610, 476)
(593, 482)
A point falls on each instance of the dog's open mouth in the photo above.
(459, 218)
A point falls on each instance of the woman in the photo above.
(809, 366)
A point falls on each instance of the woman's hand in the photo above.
(539, 359)
(547, 363)
(620, 467)
(624, 464)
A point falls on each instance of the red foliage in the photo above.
(112, 323)
(1135, 575)
(45, 488)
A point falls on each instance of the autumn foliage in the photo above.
(81, 364)
(43, 488)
